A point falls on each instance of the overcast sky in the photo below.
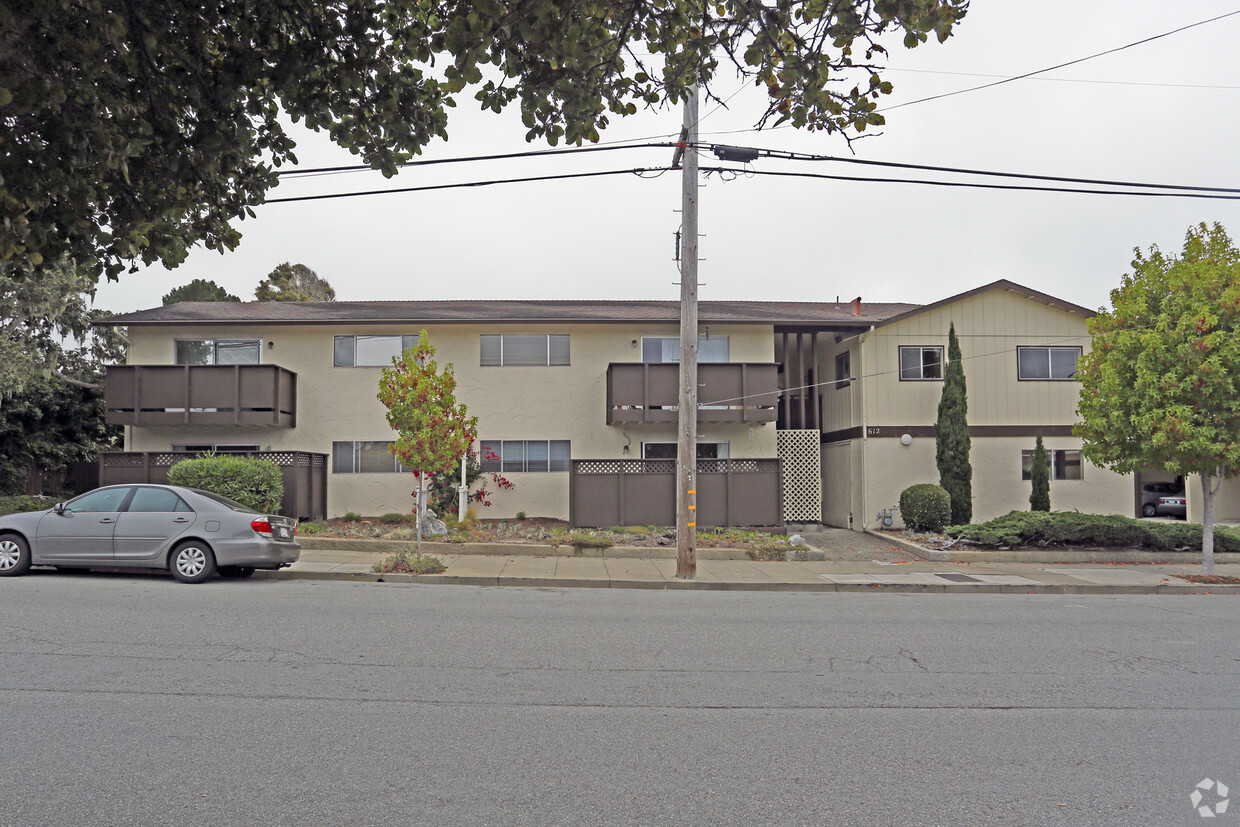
(1162, 112)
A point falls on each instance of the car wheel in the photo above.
(1149, 510)
(237, 572)
(192, 562)
(14, 555)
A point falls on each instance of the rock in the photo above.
(431, 525)
(664, 541)
(797, 540)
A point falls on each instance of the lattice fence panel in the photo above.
(802, 475)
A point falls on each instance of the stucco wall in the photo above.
(535, 403)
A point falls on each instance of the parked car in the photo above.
(1173, 506)
(1151, 492)
(191, 533)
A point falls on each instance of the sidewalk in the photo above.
(525, 569)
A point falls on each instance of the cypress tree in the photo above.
(951, 435)
(1040, 499)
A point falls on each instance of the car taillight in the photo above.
(261, 526)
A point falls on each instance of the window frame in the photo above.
(551, 359)
(215, 350)
(725, 444)
(557, 457)
(843, 369)
(921, 363)
(1050, 365)
(727, 343)
(355, 457)
(1057, 464)
(406, 341)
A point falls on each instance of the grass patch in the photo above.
(409, 562)
(582, 540)
(393, 517)
(768, 552)
(309, 527)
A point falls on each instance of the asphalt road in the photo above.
(136, 700)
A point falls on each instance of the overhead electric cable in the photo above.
(1062, 65)
(503, 156)
(466, 184)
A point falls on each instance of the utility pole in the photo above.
(686, 446)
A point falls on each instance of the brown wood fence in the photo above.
(305, 474)
(622, 492)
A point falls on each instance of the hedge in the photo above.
(925, 507)
(1070, 528)
(256, 483)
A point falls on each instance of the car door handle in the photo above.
(181, 520)
(107, 520)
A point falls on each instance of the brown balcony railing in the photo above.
(727, 392)
(201, 395)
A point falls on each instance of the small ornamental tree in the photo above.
(434, 430)
(1160, 388)
(1039, 474)
(442, 488)
(951, 435)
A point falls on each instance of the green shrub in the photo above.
(255, 483)
(925, 507)
(582, 540)
(409, 561)
(311, 528)
(768, 551)
(393, 517)
(520, 515)
(1037, 528)
(352, 517)
(24, 502)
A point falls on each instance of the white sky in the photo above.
(1163, 112)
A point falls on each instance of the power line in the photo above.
(1062, 65)
(654, 171)
(1066, 80)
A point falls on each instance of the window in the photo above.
(667, 349)
(364, 458)
(218, 351)
(156, 499)
(667, 450)
(369, 351)
(524, 350)
(1047, 362)
(525, 455)
(1064, 465)
(921, 362)
(843, 370)
(100, 501)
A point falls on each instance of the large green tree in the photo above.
(1160, 388)
(294, 283)
(199, 290)
(46, 328)
(951, 435)
(130, 132)
(434, 431)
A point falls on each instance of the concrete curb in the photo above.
(517, 549)
(718, 585)
(1102, 555)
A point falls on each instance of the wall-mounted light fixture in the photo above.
(906, 439)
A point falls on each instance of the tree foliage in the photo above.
(294, 283)
(1160, 388)
(45, 328)
(130, 133)
(1040, 477)
(951, 435)
(199, 290)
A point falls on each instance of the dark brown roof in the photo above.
(403, 312)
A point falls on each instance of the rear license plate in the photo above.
(280, 531)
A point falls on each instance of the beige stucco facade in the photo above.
(511, 403)
(866, 463)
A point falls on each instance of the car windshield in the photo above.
(224, 501)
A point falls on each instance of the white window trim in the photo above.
(921, 363)
(215, 342)
(1048, 348)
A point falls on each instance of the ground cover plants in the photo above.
(1036, 529)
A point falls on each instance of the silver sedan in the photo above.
(191, 533)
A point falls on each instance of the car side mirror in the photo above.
(59, 508)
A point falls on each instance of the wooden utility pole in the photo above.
(686, 447)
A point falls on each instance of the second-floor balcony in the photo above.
(201, 395)
(727, 392)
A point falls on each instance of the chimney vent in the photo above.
(856, 306)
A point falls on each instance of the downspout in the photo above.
(865, 453)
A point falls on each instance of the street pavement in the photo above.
(534, 566)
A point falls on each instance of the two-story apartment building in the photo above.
(808, 411)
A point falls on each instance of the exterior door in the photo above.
(151, 522)
(82, 533)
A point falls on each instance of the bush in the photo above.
(1038, 528)
(24, 502)
(925, 507)
(769, 552)
(393, 517)
(581, 540)
(409, 562)
(255, 483)
(311, 528)
(352, 517)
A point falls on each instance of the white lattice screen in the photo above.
(801, 461)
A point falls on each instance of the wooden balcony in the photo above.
(201, 395)
(727, 392)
